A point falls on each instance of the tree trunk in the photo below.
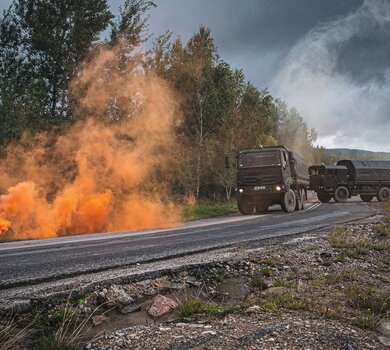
(199, 160)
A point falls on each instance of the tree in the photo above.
(132, 24)
(43, 42)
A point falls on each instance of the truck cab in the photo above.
(265, 175)
(324, 179)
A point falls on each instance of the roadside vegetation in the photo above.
(207, 209)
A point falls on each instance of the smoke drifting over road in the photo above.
(100, 176)
(338, 77)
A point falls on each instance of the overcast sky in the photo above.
(330, 59)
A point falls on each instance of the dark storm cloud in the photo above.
(253, 34)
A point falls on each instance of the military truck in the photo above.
(367, 178)
(271, 175)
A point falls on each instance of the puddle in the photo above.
(232, 291)
(229, 292)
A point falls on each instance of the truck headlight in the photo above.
(240, 190)
(278, 188)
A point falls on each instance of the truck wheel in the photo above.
(366, 197)
(261, 207)
(289, 202)
(384, 194)
(298, 205)
(303, 201)
(324, 197)
(341, 194)
(245, 206)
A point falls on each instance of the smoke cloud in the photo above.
(338, 77)
(104, 173)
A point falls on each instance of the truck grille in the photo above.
(266, 177)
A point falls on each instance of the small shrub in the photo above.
(372, 302)
(190, 307)
(265, 271)
(290, 301)
(12, 333)
(353, 245)
(365, 321)
(52, 342)
(259, 284)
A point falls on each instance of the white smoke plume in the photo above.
(347, 109)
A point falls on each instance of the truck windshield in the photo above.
(250, 160)
(317, 171)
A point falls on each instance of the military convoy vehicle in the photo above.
(271, 175)
(367, 178)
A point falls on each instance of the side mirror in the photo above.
(227, 162)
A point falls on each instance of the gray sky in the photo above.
(330, 59)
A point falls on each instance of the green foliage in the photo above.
(206, 210)
(352, 244)
(370, 299)
(265, 271)
(132, 23)
(259, 284)
(190, 307)
(51, 343)
(42, 43)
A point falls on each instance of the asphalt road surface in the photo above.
(31, 262)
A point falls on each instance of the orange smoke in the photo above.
(4, 225)
(107, 172)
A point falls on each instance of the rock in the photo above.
(384, 327)
(254, 308)
(22, 306)
(160, 306)
(116, 295)
(97, 320)
(130, 308)
(384, 340)
(325, 255)
(276, 291)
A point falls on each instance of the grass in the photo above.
(191, 306)
(383, 229)
(12, 333)
(61, 327)
(368, 299)
(289, 300)
(353, 245)
(372, 305)
(259, 284)
(208, 209)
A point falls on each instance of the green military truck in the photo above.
(271, 175)
(366, 178)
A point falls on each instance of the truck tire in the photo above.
(303, 201)
(245, 206)
(298, 196)
(366, 197)
(324, 197)
(289, 201)
(341, 194)
(261, 207)
(384, 194)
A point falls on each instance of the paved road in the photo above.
(31, 262)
